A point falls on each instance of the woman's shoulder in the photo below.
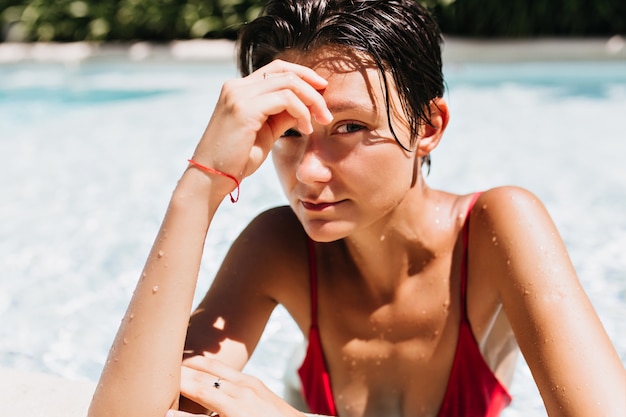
(509, 217)
(510, 229)
(273, 235)
(493, 209)
(277, 225)
(507, 207)
(508, 191)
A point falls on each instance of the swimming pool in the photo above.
(89, 155)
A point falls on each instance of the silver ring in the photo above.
(217, 384)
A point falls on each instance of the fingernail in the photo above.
(328, 115)
(324, 118)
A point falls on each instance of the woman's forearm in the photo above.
(142, 373)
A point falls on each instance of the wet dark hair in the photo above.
(399, 36)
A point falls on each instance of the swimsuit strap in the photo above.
(313, 281)
(465, 257)
(464, 263)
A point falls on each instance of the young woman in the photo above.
(413, 300)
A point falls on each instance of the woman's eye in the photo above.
(350, 128)
(291, 133)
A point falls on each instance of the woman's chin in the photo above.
(325, 231)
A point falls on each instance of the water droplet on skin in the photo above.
(131, 316)
(526, 292)
(125, 341)
(484, 206)
(155, 289)
(160, 254)
(143, 276)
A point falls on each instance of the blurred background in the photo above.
(163, 20)
(93, 141)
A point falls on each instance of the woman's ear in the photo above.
(432, 133)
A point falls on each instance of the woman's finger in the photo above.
(205, 389)
(304, 82)
(214, 368)
(306, 93)
(238, 395)
(279, 66)
(287, 101)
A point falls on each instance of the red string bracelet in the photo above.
(223, 174)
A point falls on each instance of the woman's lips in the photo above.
(317, 206)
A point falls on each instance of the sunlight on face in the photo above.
(350, 173)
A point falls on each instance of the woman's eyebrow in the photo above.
(343, 105)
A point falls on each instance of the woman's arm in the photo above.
(142, 374)
(266, 265)
(571, 357)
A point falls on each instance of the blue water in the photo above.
(89, 155)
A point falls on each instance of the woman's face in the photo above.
(351, 173)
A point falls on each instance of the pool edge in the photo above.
(221, 50)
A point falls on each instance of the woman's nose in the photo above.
(312, 168)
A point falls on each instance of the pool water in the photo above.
(89, 155)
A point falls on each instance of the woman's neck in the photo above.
(405, 242)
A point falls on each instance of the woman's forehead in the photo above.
(335, 58)
(355, 80)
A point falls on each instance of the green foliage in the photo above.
(532, 18)
(163, 20)
(123, 20)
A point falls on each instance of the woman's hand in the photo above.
(253, 112)
(228, 392)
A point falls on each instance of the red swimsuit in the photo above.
(473, 390)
